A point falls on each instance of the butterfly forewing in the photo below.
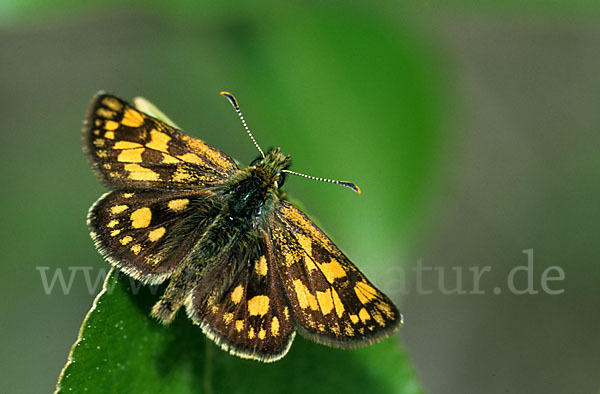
(128, 148)
(332, 300)
(148, 233)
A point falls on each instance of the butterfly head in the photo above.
(271, 167)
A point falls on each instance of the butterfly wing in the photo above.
(128, 148)
(332, 301)
(147, 233)
(241, 306)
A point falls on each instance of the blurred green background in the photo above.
(472, 128)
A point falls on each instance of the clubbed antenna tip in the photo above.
(352, 186)
(231, 99)
(349, 185)
(234, 102)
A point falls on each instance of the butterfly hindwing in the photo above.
(241, 306)
(332, 301)
(130, 149)
(148, 233)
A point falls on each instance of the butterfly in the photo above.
(248, 266)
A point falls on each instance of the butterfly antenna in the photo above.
(234, 102)
(349, 185)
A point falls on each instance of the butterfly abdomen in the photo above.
(214, 241)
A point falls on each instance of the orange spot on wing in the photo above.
(111, 125)
(209, 153)
(132, 118)
(118, 209)
(139, 173)
(337, 303)
(260, 266)
(364, 315)
(136, 249)
(304, 296)
(305, 242)
(239, 325)
(156, 234)
(112, 103)
(140, 218)
(228, 318)
(158, 141)
(262, 333)
(168, 159)
(325, 301)
(191, 158)
(332, 270)
(258, 305)
(236, 295)
(131, 155)
(105, 113)
(178, 205)
(125, 240)
(275, 326)
(364, 292)
(126, 145)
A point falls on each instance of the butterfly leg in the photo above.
(182, 282)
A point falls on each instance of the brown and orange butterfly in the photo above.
(249, 266)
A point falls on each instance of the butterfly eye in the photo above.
(281, 179)
(256, 161)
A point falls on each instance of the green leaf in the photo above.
(121, 349)
(146, 106)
